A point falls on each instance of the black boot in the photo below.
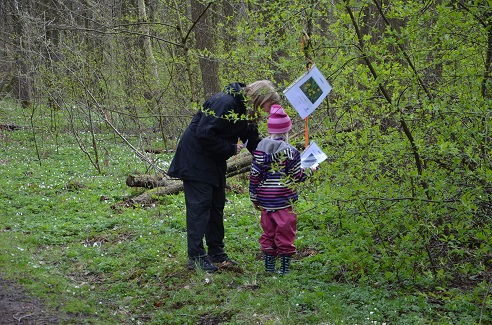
(270, 263)
(203, 263)
(284, 264)
(222, 259)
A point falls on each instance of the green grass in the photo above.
(61, 238)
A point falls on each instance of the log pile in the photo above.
(160, 185)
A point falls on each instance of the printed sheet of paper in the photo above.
(312, 156)
(308, 91)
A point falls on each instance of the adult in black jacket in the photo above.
(200, 161)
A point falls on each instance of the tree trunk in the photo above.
(205, 41)
(22, 85)
(149, 54)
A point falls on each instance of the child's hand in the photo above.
(311, 169)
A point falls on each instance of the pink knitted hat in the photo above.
(278, 121)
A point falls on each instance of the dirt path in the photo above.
(16, 307)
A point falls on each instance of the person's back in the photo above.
(276, 165)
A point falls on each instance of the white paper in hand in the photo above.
(312, 156)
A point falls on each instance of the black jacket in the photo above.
(211, 138)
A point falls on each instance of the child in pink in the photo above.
(276, 166)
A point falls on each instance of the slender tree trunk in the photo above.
(22, 85)
(6, 32)
(487, 75)
(149, 54)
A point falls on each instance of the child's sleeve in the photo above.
(294, 168)
(255, 178)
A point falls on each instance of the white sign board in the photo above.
(308, 91)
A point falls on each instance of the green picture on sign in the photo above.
(311, 89)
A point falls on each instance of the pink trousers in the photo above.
(279, 232)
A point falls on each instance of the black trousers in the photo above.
(204, 217)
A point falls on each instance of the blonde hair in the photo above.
(260, 92)
(281, 135)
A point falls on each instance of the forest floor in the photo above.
(17, 307)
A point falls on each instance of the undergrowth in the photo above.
(63, 240)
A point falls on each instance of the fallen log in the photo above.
(147, 181)
(10, 127)
(236, 165)
(161, 185)
(239, 164)
(239, 171)
(150, 196)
